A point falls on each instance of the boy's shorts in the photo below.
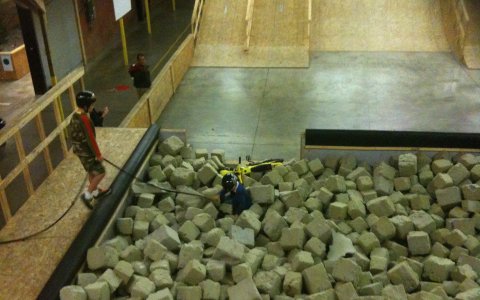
(92, 165)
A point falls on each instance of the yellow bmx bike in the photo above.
(252, 167)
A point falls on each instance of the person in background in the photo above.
(140, 74)
(84, 144)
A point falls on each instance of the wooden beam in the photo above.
(194, 14)
(32, 155)
(59, 119)
(46, 151)
(249, 20)
(7, 213)
(72, 97)
(198, 19)
(21, 155)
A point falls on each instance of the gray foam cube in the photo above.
(262, 194)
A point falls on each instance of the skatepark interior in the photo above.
(369, 64)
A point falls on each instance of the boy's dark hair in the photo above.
(140, 55)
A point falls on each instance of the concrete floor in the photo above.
(262, 112)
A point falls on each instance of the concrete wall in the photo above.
(63, 37)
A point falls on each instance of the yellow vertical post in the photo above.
(174, 6)
(124, 42)
(147, 12)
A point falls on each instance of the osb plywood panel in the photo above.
(27, 265)
(256, 57)
(223, 22)
(278, 35)
(161, 93)
(471, 55)
(182, 60)
(472, 41)
(451, 28)
(141, 119)
(461, 21)
(377, 25)
(280, 23)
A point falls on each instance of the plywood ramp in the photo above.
(279, 36)
(377, 25)
(27, 265)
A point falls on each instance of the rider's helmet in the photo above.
(85, 99)
(229, 181)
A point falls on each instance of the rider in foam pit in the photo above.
(234, 193)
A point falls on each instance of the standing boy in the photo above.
(140, 74)
(82, 132)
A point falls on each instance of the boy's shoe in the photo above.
(87, 202)
(102, 193)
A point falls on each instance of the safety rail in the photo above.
(150, 106)
(45, 147)
(462, 17)
(309, 26)
(196, 16)
(249, 20)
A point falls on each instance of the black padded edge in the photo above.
(75, 256)
(375, 138)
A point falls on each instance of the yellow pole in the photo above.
(124, 42)
(174, 6)
(147, 12)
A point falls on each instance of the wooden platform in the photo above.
(280, 30)
(278, 34)
(26, 266)
(377, 25)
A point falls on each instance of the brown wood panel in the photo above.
(142, 118)
(377, 25)
(181, 61)
(162, 92)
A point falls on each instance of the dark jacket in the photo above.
(141, 75)
(240, 199)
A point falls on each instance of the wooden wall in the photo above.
(461, 19)
(253, 33)
(153, 102)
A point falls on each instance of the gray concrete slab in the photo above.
(266, 110)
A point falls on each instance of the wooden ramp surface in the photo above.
(278, 35)
(27, 265)
(377, 25)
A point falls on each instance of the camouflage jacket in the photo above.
(82, 134)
